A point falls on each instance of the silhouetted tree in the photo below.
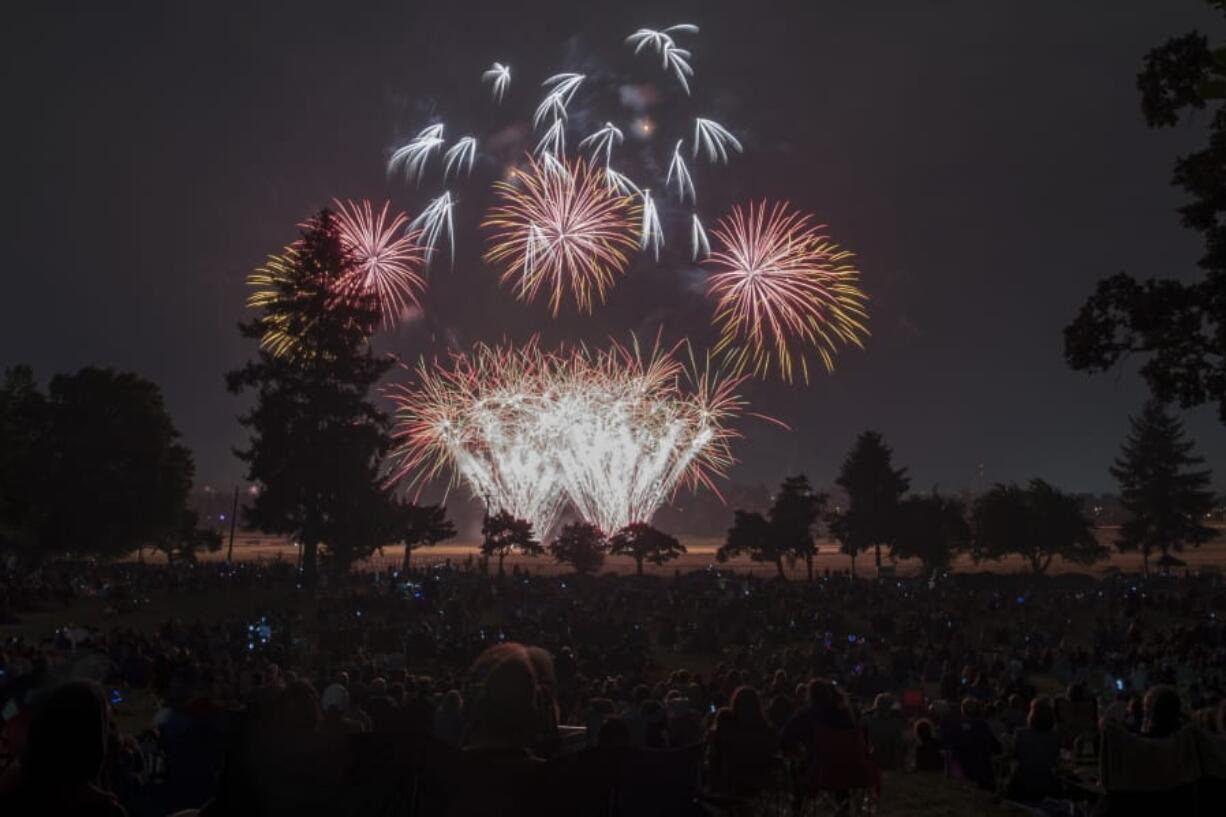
(751, 534)
(874, 488)
(185, 542)
(794, 516)
(931, 528)
(502, 533)
(317, 440)
(1179, 325)
(1162, 489)
(1038, 523)
(644, 543)
(116, 476)
(24, 437)
(580, 545)
(420, 526)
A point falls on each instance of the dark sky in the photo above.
(986, 160)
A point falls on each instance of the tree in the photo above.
(794, 516)
(420, 526)
(1038, 523)
(116, 476)
(316, 440)
(751, 534)
(1177, 324)
(1162, 489)
(502, 533)
(580, 545)
(644, 543)
(874, 488)
(188, 539)
(931, 528)
(24, 435)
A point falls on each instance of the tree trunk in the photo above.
(638, 565)
(1145, 561)
(779, 567)
(408, 558)
(310, 563)
(853, 564)
(809, 566)
(501, 555)
(877, 552)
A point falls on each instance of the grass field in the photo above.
(701, 554)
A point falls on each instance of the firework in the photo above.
(414, 155)
(614, 432)
(603, 141)
(621, 183)
(461, 155)
(781, 287)
(271, 294)
(552, 105)
(433, 221)
(564, 85)
(674, 59)
(699, 243)
(554, 140)
(559, 232)
(715, 139)
(650, 232)
(386, 258)
(500, 76)
(677, 168)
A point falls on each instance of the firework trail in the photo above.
(715, 139)
(699, 243)
(677, 168)
(780, 288)
(461, 155)
(604, 140)
(500, 77)
(650, 233)
(414, 155)
(433, 222)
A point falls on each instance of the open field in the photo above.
(701, 554)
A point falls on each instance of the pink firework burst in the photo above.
(781, 289)
(387, 257)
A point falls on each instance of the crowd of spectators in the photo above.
(452, 691)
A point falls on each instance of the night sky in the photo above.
(986, 160)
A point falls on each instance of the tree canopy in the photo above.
(92, 468)
(644, 543)
(420, 526)
(580, 545)
(1037, 522)
(502, 534)
(1176, 325)
(931, 528)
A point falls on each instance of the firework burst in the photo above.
(614, 432)
(782, 288)
(561, 232)
(386, 258)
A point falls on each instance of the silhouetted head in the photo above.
(298, 707)
(1161, 712)
(747, 706)
(68, 736)
(1042, 717)
(504, 710)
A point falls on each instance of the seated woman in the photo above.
(743, 747)
(929, 754)
(973, 745)
(1037, 749)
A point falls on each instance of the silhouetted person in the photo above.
(1037, 747)
(64, 754)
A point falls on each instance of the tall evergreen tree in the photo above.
(317, 440)
(1163, 489)
(794, 516)
(874, 488)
